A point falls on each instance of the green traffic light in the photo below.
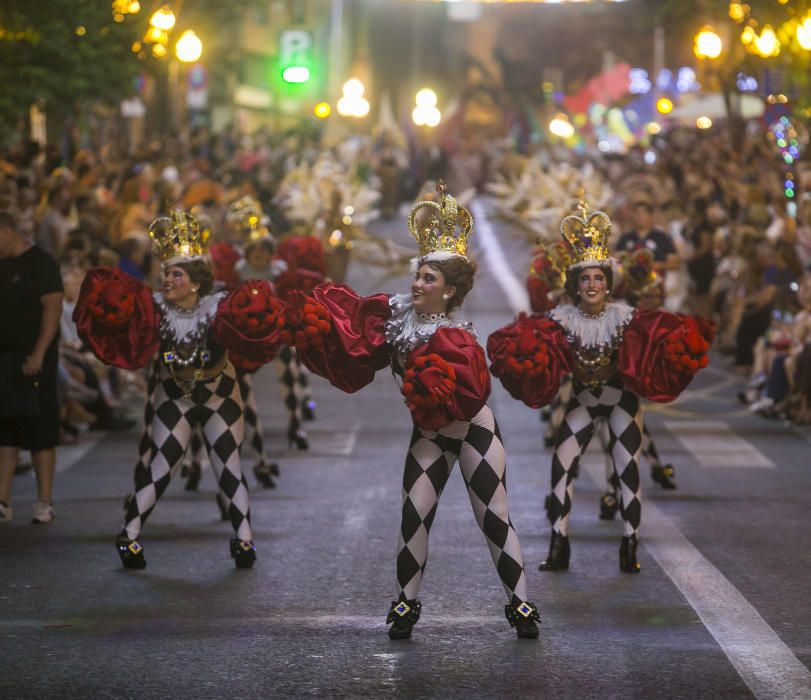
(296, 74)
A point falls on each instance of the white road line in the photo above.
(714, 444)
(67, 457)
(761, 658)
(494, 258)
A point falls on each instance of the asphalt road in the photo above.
(721, 608)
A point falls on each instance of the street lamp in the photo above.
(707, 44)
(353, 103)
(766, 44)
(426, 112)
(163, 19)
(664, 105)
(804, 33)
(189, 48)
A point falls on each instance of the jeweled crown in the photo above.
(587, 234)
(177, 238)
(438, 235)
(247, 215)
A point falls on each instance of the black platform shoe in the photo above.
(264, 474)
(608, 506)
(193, 475)
(523, 617)
(404, 615)
(308, 410)
(663, 474)
(222, 504)
(298, 438)
(628, 562)
(559, 553)
(131, 553)
(243, 553)
(274, 469)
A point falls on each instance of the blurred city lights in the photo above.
(707, 44)
(426, 112)
(738, 11)
(159, 51)
(189, 48)
(561, 127)
(654, 128)
(163, 19)
(766, 44)
(296, 74)
(639, 82)
(322, 110)
(804, 33)
(748, 35)
(81, 30)
(664, 105)
(703, 122)
(353, 103)
(746, 83)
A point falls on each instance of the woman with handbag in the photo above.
(31, 290)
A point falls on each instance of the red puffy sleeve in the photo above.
(339, 335)
(117, 318)
(538, 291)
(446, 379)
(224, 259)
(250, 321)
(662, 352)
(530, 356)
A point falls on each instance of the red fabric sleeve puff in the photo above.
(303, 251)
(224, 259)
(117, 318)
(297, 279)
(242, 364)
(250, 321)
(538, 290)
(530, 357)
(446, 379)
(355, 347)
(661, 353)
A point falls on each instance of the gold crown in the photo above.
(247, 215)
(438, 234)
(177, 238)
(587, 234)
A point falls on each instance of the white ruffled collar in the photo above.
(407, 329)
(593, 331)
(181, 327)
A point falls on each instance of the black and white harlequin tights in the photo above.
(295, 387)
(253, 439)
(648, 451)
(621, 411)
(431, 456)
(169, 419)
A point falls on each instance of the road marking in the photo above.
(764, 662)
(70, 456)
(494, 257)
(714, 444)
(761, 658)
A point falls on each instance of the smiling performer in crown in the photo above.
(442, 373)
(185, 330)
(616, 354)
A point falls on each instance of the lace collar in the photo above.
(593, 331)
(408, 329)
(187, 328)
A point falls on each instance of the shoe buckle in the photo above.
(402, 608)
(135, 548)
(524, 609)
(245, 545)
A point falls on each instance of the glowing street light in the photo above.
(804, 33)
(426, 112)
(561, 127)
(353, 103)
(163, 19)
(664, 105)
(322, 110)
(189, 48)
(703, 122)
(767, 44)
(707, 44)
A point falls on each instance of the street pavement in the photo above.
(721, 608)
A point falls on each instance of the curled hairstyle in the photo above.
(458, 272)
(573, 277)
(199, 272)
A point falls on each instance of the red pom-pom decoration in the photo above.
(428, 382)
(686, 348)
(307, 322)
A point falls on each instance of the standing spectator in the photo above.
(645, 235)
(55, 224)
(31, 290)
(701, 264)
